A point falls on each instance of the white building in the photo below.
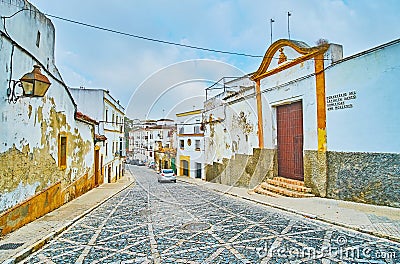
(190, 150)
(150, 139)
(141, 141)
(320, 121)
(101, 106)
(47, 152)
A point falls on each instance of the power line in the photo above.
(153, 39)
(168, 42)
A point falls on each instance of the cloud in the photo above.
(99, 59)
(173, 86)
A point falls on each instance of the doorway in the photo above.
(185, 168)
(290, 141)
(109, 174)
(198, 170)
(96, 167)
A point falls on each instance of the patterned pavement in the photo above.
(153, 222)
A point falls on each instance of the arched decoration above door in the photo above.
(278, 51)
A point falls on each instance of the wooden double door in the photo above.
(290, 141)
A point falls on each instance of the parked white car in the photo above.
(167, 175)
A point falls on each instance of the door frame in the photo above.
(300, 154)
(181, 169)
(96, 165)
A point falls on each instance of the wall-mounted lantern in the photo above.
(34, 84)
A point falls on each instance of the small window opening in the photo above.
(63, 152)
(38, 39)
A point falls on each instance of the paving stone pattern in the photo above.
(153, 222)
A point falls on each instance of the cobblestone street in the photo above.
(153, 222)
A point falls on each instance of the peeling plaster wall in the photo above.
(231, 125)
(30, 127)
(231, 140)
(27, 211)
(97, 103)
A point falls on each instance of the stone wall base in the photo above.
(372, 178)
(243, 170)
(315, 171)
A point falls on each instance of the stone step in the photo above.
(294, 187)
(260, 190)
(283, 191)
(289, 181)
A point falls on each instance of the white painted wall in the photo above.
(279, 89)
(372, 124)
(23, 28)
(30, 121)
(189, 123)
(101, 106)
(236, 131)
(300, 91)
(146, 137)
(90, 102)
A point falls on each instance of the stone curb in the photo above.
(39, 244)
(306, 215)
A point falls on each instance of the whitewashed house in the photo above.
(154, 141)
(326, 125)
(190, 144)
(100, 105)
(46, 147)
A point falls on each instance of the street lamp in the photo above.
(34, 84)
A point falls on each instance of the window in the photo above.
(106, 149)
(182, 130)
(181, 144)
(197, 129)
(197, 144)
(120, 146)
(62, 152)
(189, 142)
(38, 39)
(106, 115)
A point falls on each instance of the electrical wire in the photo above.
(148, 38)
(153, 39)
(163, 41)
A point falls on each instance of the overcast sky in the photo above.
(97, 59)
